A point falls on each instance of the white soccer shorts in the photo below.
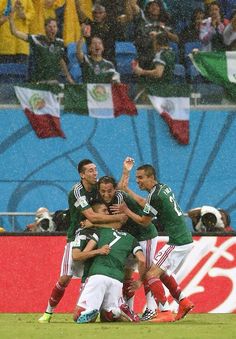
(170, 258)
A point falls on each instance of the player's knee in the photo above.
(111, 315)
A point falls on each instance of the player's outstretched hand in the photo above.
(128, 164)
(118, 208)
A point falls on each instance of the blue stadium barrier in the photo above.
(13, 72)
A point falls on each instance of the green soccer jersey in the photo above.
(121, 244)
(98, 71)
(138, 231)
(162, 204)
(82, 237)
(46, 57)
(79, 200)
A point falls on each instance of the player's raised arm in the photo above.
(128, 164)
(89, 251)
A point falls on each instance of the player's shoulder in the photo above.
(119, 195)
(78, 190)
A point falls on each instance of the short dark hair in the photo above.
(96, 202)
(48, 20)
(83, 163)
(148, 169)
(106, 180)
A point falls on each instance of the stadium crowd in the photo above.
(157, 35)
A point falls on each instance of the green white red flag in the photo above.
(173, 104)
(99, 100)
(218, 67)
(42, 108)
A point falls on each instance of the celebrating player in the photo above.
(162, 204)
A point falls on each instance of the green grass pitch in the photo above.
(194, 326)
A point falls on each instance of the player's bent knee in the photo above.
(109, 316)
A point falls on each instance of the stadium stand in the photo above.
(125, 53)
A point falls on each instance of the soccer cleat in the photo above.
(164, 317)
(46, 318)
(148, 314)
(88, 317)
(185, 306)
(127, 314)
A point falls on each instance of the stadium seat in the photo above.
(179, 73)
(76, 72)
(188, 47)
(13, 72)
(192, 73)
(74, 66)
(125, 53)
(175, 48)
(71, 52)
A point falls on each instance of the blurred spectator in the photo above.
(2, 229)
(155, 19)
(114, 8)
(210, 219)
(12, 49)
(191, 32)
(211, 30)
(95, 69)
(100, 26)
(48, 53)
(229, 33)
(161, 69)
(227, 6)
(43, 222)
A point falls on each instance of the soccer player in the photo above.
(102, 290)
(147, 237)
(161, 203)
(80, 198)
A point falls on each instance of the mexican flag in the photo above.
(99, 100)
(218, 67)
(41, 106)
(173, 104)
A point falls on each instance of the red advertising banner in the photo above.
(30, 267)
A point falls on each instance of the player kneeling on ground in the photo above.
(102, 291)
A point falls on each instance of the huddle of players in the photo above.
(101, 232)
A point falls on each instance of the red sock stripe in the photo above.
(165, 255)
(59, 286)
